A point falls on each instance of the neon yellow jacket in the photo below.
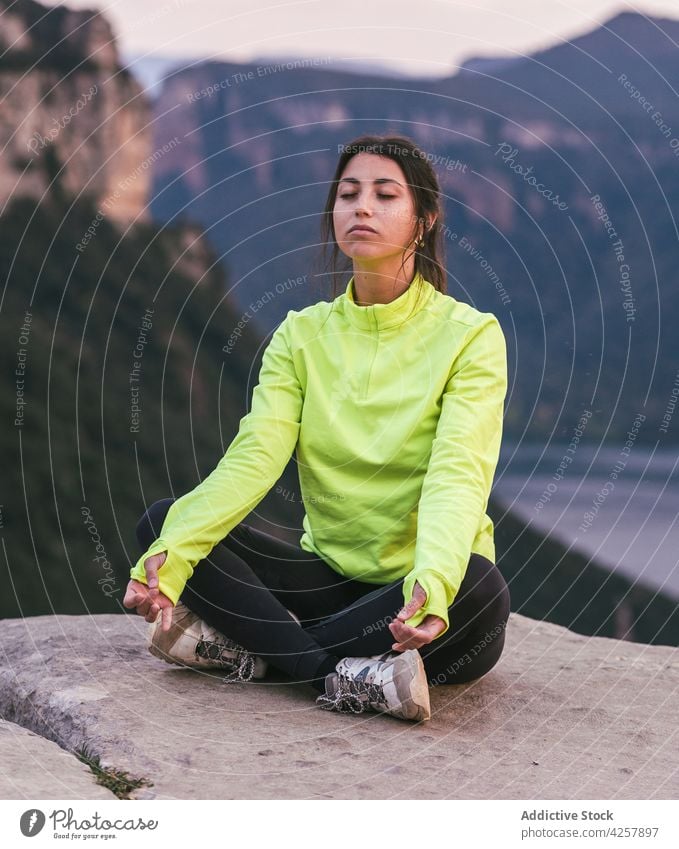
(395, 412)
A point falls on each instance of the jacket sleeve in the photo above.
(461, 468)
(252, 464)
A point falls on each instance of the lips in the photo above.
(360, 228)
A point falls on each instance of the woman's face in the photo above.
(372, 193)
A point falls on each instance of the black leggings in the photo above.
(250, 580)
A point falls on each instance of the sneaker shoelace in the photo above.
(244, 662)
(348, 696)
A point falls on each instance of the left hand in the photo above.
(408, 637)
(147, 597)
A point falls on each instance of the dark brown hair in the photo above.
(424, 187)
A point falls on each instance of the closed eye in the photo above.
(353, 195)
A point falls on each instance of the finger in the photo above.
(134, 589)
(408, 637)
(167, 618)
(130, 599)
(410, 609)
(404, 646)
(133, 599)
(432, 626)
(152, 615)
(400, 630)
(419, 591)
(403, 638)
(418, 598)
(403, 627)
(151, 572)
(425, 636)
(412, 643)
(144, 606)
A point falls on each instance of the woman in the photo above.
(392, 396)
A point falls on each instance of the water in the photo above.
(633, 499)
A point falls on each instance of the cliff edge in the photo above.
(561, 716)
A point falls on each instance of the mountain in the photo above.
(492, 65)
(112, 328)
(69, 109)
(561, 202)
(131, 356)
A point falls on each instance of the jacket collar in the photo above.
(381, 316)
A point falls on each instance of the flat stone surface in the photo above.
(34, 768)
(561, 716)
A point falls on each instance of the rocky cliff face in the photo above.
(70, 117)
(75, 159)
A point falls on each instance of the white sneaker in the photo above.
(192, 642)
(394, 683)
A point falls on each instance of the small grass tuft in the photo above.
(117, 781)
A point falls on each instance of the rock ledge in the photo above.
(561, 716)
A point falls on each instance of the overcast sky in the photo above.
(423, 38)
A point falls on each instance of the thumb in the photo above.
(418, 598)
(151, 566)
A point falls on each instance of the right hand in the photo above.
(147, 598)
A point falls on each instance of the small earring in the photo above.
(421, 242)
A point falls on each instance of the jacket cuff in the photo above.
(172, 575)
(439, 592)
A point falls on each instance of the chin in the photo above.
(352, 249)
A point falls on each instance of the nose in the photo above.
(362, 210)
(361, 203)
(363, 214)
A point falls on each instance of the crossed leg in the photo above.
(249, 582)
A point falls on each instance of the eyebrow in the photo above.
(378, 180)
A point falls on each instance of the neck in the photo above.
(381, 286)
